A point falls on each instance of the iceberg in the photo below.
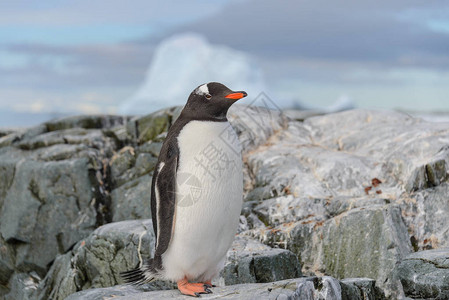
(183, 62)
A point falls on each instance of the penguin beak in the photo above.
(237, 95)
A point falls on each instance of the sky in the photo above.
(77, 57)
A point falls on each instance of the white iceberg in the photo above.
(183, 62)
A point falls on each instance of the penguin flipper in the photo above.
(163, 199)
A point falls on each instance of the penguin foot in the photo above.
(192, 289)
(209, 284)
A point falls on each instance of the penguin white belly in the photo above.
(209, 200)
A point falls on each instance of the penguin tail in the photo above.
(140, 275)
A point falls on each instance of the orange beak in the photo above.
(236, 96)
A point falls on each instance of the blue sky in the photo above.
(89, 56)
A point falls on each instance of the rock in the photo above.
(286, 209)
(148, 127)
(114, 292)
(318, 288)
(117, 247)
(275, 290)
(131, 201)
(87, 122)
(251, 261)
(425, 274)
(348, 194)
(365, 241)
(48, 207)
(402, 143)
(308, 288)
(360, 289)
(23, 286)
(62, 179)
(128, 164)
(7, 131)
(67, 136)
(426, 215)
(53, 192)
(97, 261)
(255, 124)
(310, 184)
(7, 256)
(60, 281)
(301, 115)
(344, 151)
(120, 163)
(131, 183)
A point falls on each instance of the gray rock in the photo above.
(114, 292)
(332, 189)
(152, 147)
(23, 286)
(275, 290)
(286, 209)
(340, 154)
(48, 207)
(117, 247)
(425, 274)
(366, 241)
(87, 122)
(54, 191)
(131, 184)
(250, 261)
(308, 288)
(426, 215)
(360, 289)
(7, 131)
(319, 189)
(148, 127)
(97, 261)
(7, 256)
(301, 115)
(315, 288)
(120, 163)
(60, 281)
(131, 201)
(255, 124)
(127, 165)
(67, 136)
(404, 144)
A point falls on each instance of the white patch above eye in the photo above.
(202, 90)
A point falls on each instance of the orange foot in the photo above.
(193, 289)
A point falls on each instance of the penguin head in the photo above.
(211, 101)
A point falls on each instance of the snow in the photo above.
(183, 62)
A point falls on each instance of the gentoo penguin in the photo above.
(196, 194)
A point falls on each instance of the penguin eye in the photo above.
(208, 96)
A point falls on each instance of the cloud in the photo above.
(89, 56)
(350, 31)
(71, 66)
(82, 12)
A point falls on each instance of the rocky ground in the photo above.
(350, 205)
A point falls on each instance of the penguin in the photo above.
(196, 194)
